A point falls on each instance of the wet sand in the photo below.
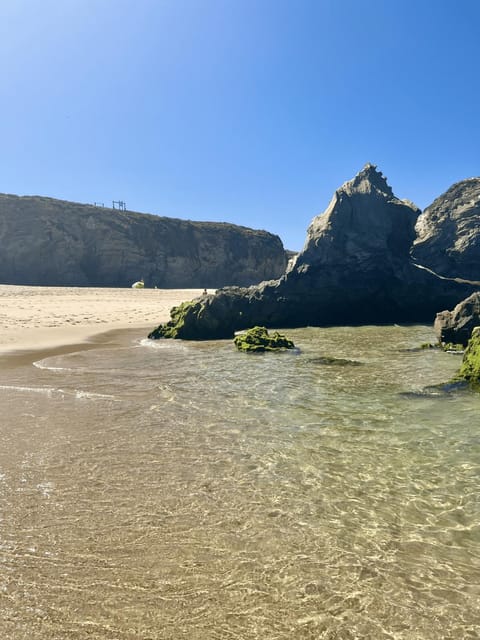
(40, 318)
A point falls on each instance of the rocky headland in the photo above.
(355, 268)
(52, 242)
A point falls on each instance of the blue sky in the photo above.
(245, 111)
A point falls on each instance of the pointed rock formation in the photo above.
(355, 268)
(449, 232)
(364, 223)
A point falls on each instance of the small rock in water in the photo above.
(258, 339)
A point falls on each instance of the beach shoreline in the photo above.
(37, 318)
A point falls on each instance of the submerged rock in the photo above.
(449, 347)
(470, 369)
(456, 326)
(355, 268)
(258, 339)
(328, 360)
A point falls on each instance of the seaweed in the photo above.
(257, 339)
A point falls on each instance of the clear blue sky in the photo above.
(246, 111)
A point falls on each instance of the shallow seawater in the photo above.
(168, 490)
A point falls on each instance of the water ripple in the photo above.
(234, 497)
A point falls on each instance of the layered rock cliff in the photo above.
(355, 268)
(449, 232)
(44, 241)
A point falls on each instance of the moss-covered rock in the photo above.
(340, 362)
(452, 346)
(258, 339)
(444, 346)
(470, 369)
(173, 328)
(209, 317)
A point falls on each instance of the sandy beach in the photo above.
(50, 317)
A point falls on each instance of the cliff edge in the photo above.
(45, 241)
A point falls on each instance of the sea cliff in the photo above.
(51, 242)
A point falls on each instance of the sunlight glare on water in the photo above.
(170, 490)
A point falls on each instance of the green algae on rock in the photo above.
(258, 339)
(449, 347)
(470, 369)
(328, 360)
(173, 328)
(209, 317)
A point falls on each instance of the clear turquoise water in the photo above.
(183, 490)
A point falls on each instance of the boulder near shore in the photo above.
(456, 326)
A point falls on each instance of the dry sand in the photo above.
(49, 317)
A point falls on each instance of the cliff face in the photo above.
(355, 268)
(44, 241)
(449, 232)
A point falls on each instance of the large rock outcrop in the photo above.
(355, 268)
(52, 242)
(449, 232)
(456, 326)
